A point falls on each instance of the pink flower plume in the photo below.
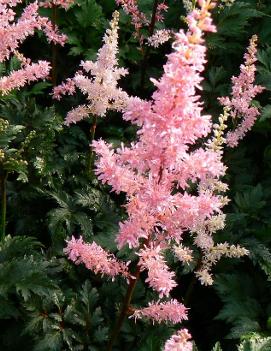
(95, 258)
(170, 311)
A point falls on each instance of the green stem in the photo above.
(124, 309)
(3, 189)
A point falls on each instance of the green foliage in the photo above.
(22, 272)
(73, 321)
(240, 309)
(84, 25)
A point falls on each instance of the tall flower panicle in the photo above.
(244, 91)
(13, 31)
(156, 171)
(101, 87)
(171, 180)
(179, 342)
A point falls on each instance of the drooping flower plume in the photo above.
(95, 258)
(170, 311)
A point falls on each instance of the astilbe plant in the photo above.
(172, 184)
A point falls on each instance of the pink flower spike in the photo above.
(160, 278)
(28, 74)
(95, 258)
(171, 311)
(243, 92)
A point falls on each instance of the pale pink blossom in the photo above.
(179, 342)
(95, 258)
(159, 37)
(160, 278)
(97, 80)
(170, 311)
(28, 74)
(161, 9)
(171, 178)
(76, 114)
(243, 92)
(66, 88)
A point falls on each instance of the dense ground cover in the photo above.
(49, 190)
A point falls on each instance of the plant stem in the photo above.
(147, 49)
(124, 309)
(3, 190)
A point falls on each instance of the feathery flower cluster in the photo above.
(13, 32)
(204, 231)
(213, 255)
(184, 254)
(159, 37)
(217, 141)
(179, 342)
(29, 73)
(170, 311)
(243, 92)
(159, 275)
(101, 88)
(95, 258)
